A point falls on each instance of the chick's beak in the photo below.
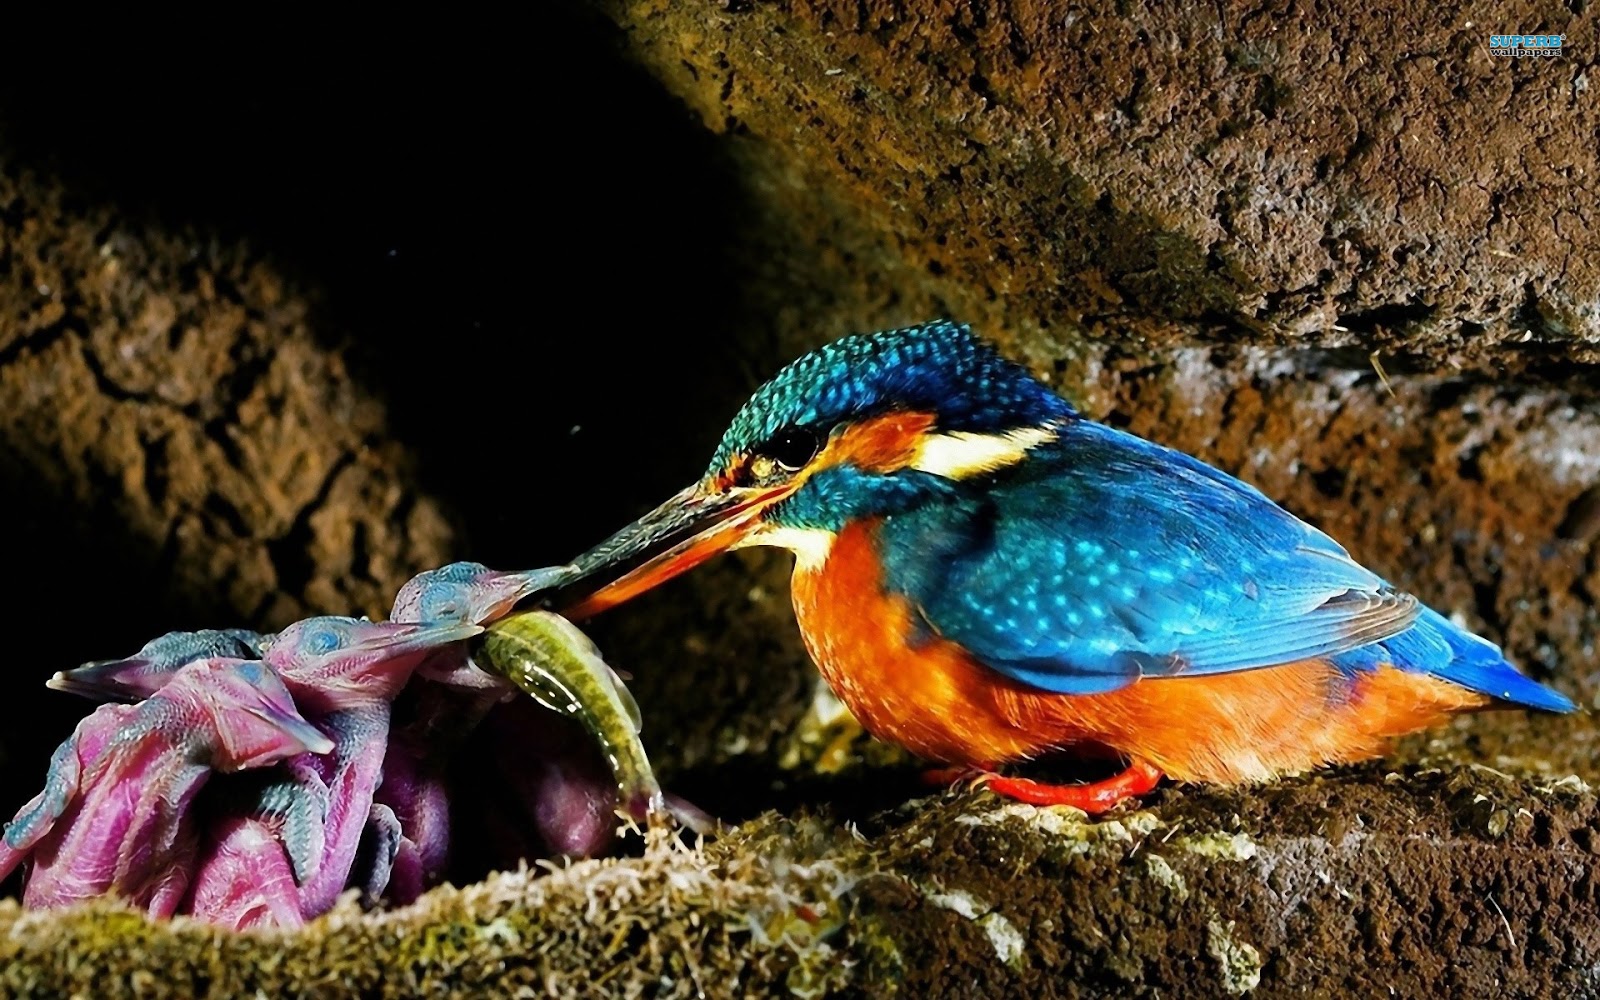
(309, 738)
(100, 679)
(395, 639)
(504, 591)
(677, 536)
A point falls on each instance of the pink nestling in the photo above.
(245, 879)
(343, 673)
(115, 815)
(451, 697)
(470, 592)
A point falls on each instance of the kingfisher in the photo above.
(984, 576)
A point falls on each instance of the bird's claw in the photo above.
(384, 839)
(1093, 798)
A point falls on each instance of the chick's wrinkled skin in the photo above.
(115, 816)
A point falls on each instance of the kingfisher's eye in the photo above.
(787, 451)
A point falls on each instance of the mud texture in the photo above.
(1145, 172)
(1342, 253)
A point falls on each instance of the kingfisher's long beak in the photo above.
(677, 536)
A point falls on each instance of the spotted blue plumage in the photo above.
(1102, 557)
(1105, 558)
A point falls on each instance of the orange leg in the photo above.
(1098, 797)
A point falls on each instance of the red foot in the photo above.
(1098, 797)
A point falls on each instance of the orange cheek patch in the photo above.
(882, 444)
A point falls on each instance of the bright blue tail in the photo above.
(1435, 646)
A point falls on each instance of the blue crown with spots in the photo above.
(940, 368)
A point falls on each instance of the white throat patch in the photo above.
(809, 545)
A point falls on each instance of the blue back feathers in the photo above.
(939, 368)
(1105, 558)
(1102, 558)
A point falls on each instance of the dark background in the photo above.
(491, 219)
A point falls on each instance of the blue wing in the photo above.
(1107, 558)
(1436, 646)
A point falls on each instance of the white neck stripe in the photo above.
(963, 454)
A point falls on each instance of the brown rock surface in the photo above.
(1149, 173)
(173, 435)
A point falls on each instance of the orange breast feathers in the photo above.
(929, 696)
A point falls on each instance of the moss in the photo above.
(1003, 899)
(871, 938)
(676, 921)
(1240, 961)
(1067, 831)
(1219, 846)
(1163, 874)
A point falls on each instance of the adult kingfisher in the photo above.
(985, 576)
